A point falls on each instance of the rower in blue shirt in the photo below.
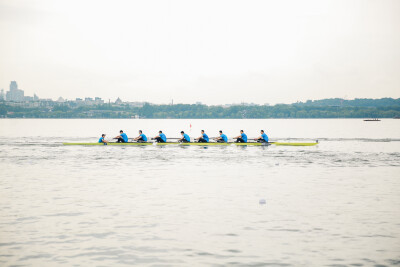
(102, 140)
(122, 137)
(185, 138)
(142, 138)
(263, 138)
(203, 138)
(222, 138)
(160, 138)
(242, 138)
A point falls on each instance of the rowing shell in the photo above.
(193, 144)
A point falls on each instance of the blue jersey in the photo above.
(124, 136)
(244, 137)
(144, 138)
(163, 137)
(101, 140)
(187, 138)
(224, 137)
(265, 137)
(205, 137)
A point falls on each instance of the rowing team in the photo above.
(161, 138)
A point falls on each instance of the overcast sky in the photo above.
(215, 52)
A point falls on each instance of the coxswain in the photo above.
(102, 140)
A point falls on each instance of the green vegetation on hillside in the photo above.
(327, 108)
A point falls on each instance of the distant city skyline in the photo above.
(214, 52)
(15, 94)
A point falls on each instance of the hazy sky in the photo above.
(210, 51)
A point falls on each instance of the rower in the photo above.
(263, 138)
(160, 138)
(122, 137)
(102, 140)
(222, 138)
(242, 138)
(185, 138)
(142, 138)
(203, 138)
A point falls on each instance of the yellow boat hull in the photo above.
(193, 144)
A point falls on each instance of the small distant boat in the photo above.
(397, 117)
(376, 119)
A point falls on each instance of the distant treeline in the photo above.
(326, 108)
(358, 102)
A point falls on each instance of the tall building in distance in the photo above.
(2, 95)
(13, 86)
(15, 94)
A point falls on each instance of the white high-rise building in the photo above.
(2, 96)
(15, 94)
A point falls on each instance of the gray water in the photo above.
(335, 204)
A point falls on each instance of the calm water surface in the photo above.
(336, 204)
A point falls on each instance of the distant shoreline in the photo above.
(193, 118)
(319, 109)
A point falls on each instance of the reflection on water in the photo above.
(334, 204)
